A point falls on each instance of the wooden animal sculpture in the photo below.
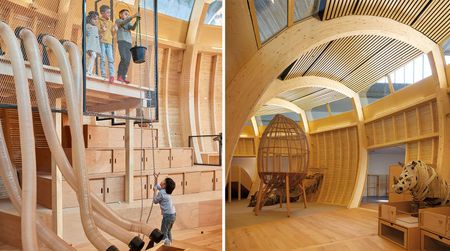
(424, 183)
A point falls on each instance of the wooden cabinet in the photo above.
(114, 189)
(218, 180)
(430, 241)
(141, 188)
(436, 220)
(192, 182)
(119, 161)
(139, 162)
(97, 136)
(97, 187)
(147, 135)
(98, 161)
(178, 178)
(181, 157)
(207, 181)
(162, 159)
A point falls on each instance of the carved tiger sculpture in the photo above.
(424, 183)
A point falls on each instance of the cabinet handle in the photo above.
(110, 161)
(115, 160)
(217, 180)
(89, 136)
(145, 186)
(151, 186)
(172, 157)
(107, 190)
(186, 183)
(168, 158)
(101, 190)
(146, 159)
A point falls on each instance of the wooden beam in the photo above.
(291, 8)
(212, 94)
(128, 103)
(57, 208)
(251, 6)
(197, 16)
(197, 100)
(129, 157)
(165, 95)
(255, 126)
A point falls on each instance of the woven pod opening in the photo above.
(283, 150)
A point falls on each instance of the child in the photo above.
(92, 40)
(107, 28)
(164, 199)
(124, 42)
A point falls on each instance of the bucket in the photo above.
(138, 54)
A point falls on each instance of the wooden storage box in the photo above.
(433, 242)
(436, 220)
(44, 192)
(392, 211)
(405, 235)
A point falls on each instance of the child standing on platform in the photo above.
(92, 40)
(107, 28)
(124, 41)
(164, 199)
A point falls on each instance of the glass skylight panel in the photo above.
(411, 73)
(341, 106)
(214, 15)
(265, 119)
(180, 9)
(271, 16)
(292, 115)
(305, 8)
(318, 112)
(375, 92)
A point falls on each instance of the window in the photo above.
(375, 92)
(304, 9)
(414, 71)
(292, 115)
(271, 16)
(265, 119)
(341, 106)
(318, 112)
(446, 50)
(180, 9)
(214, 15)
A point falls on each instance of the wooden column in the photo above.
(129, 156)
(57, 208)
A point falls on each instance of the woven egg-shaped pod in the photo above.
(283, 150)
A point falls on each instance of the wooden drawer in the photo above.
(140, 183)
(119, 161)
(181, 157)
(436, 220)
(207, 181)
(408, 238)
(162, 159)
(218, 180)
(432, 242)
(178, 178)
(192, 182)
(114, 189)
(392, 210)
(388, 213)
(147, 135)
(97, 187)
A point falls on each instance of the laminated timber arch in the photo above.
(278, 53)
(290, 106)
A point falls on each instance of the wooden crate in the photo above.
(433, 242)
(404, 235)
(392, 211)
(436, 220)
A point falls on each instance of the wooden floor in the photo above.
(319, 227)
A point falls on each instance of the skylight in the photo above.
(214, 15)
(180, 9)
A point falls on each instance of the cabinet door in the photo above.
(181, 157)
(218, 179)
(96, 136)
(162, 159)
(97, 186)
(147, 135)
(139, 160)
(116, 137)
(98, 161)
(115, 189)
(119, 161)
(178, 178)
(207, 181)
(140, 187)
(192, 182)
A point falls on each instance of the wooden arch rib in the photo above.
(243, 95)
(291, 106)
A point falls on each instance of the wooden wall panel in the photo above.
(335, 154)
(174, 97)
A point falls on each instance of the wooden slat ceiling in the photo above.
(318, 98)
(270, 109)
(431, 17)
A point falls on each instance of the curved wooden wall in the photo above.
(335, 154)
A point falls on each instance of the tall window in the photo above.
(318, 112)
(180, 9)
(341, 106)
(375, 92)
(271, 16)
(414, 71)
(305, 8)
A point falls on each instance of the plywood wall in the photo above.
(335, 154)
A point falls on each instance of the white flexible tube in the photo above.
(75, 61)
(49, 238)
(32, 50)
(28, 212)
(78, 152)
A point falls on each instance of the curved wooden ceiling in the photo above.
(359, 61)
